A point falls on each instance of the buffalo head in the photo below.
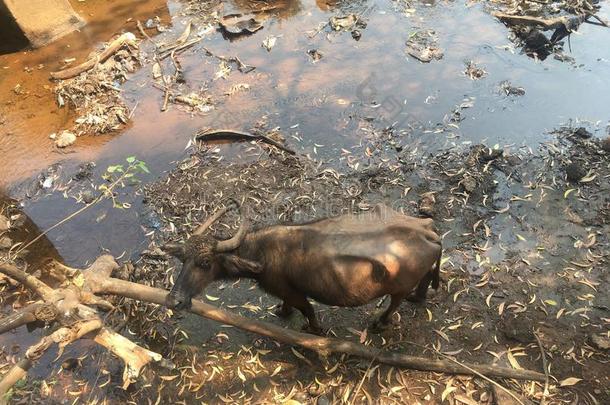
(199, 257)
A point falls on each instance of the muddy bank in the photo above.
(513, 266)
(513, 269)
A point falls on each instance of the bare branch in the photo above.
(63, 337)
(134, 356)
(320, 344)
(16, 373)
(31, 313)
(41, 289)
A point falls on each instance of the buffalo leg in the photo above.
(422, 289)
(284, 310)
(385, 318)
(301, 303)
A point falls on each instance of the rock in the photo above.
(5, 224)
(88, 196)
(426, 204)
(605, 144)
(600, 341)
(64, 139)
(356, 34)
(575, 172)
(583, 133)
(323, 400)
(5, 243)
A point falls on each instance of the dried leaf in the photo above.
(513, 362)
(569, 381)
(449, 388)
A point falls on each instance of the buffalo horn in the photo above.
(203, 227)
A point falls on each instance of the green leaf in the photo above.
(131, 159)
(143, 167)
(115, 168)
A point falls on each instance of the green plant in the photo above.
(120, 175)
(117, 176)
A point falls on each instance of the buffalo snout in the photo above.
(178, 301)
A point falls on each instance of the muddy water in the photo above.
(321, 103)
(314, 104)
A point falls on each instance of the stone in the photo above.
(64, 139)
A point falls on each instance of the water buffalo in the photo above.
(345, 261)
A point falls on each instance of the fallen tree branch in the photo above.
(86, 284)
(134, 356)
(31, 282)
(545, 367)
(241, 66)
(544, 23)
(323, 345)
(33, 312)
(231, 135)
(16, 373)
(63, 337)
(125, 39)
(65, 304)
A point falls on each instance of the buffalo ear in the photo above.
(174, 249)
(235, 265)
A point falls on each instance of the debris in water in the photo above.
(237, 24)
(269, 42)
(507, 88)
(196, 101)
(95, 93)
(344, 23)
(422, 45)
(315, 55)
(473, 71)
(228, 134)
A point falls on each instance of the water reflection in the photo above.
(281, 9)
(23, 229)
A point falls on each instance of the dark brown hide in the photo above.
(349, 260)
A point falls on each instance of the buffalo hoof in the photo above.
(314, 330)
(381, 324)
(416, 299)
(284, 311)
